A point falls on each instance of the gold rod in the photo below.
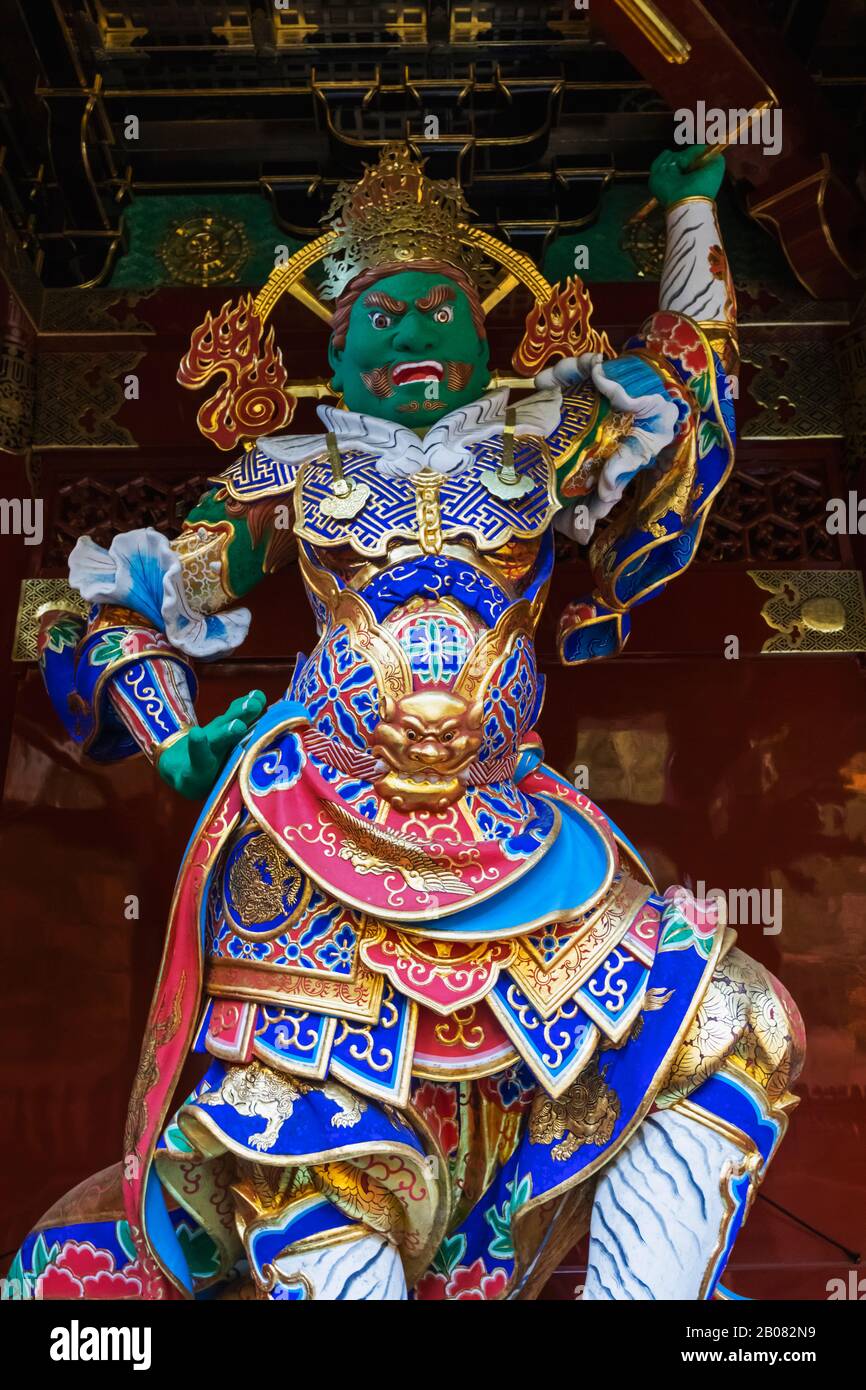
(310, 300)
(446, 84)
(704, 158)
(503, 287)
(657, 29)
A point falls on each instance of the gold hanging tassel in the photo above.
(347, 498)
(506, 481)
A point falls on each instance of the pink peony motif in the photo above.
(431, 1287)
(471, 1283)
(58, 1283)
(133, 642)
(672, 336)
(702, 914)
(82, 1271)
(437, 1106)
(665, 323)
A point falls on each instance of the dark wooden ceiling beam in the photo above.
(804, 193)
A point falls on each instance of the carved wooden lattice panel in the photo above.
(101, 507)
(777, 514)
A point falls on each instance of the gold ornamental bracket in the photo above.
(36, 598)
(813, 612)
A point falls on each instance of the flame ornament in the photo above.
(252, 400)
(559, 327)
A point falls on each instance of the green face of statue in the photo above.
(411, 352)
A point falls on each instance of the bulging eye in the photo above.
(380, 319)
(410, 734)
(444, 314)
(446, 738)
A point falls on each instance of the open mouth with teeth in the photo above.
(404, 372)
(420, 790)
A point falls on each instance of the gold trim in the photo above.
(641, 870)
(548, 1004)
(289, 278)
(581, 1058)
(285, 925)
(657, 29)
(559, 915)
(398, 1093)
(294, 850)
(615, 1029)
(317, 1072)
(426, 484)
(493, 646)
(472, 1072)
(285, 277)
(216, 843)
(399, 554)
(690, 1111)
(730, 1171)
(322, 1240)
(690, 198)
(148, 654)
(37, 597)
(157, 749)
(229, 1145)
(410, 950)
(450, 531)
(501, 290)
(225, 1051)
(572, 456)
(289, 992)
(823, 176)
(700, 514)
(386, 656)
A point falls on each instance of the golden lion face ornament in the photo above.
(426, 740)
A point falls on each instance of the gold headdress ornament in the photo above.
(393, 213)
(396, 213)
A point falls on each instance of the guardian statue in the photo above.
(448, 1022)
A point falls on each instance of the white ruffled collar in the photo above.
(444, 448)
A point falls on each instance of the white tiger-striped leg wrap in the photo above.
(368, 1269)
(659, 1212)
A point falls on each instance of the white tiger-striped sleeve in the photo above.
(696, 279)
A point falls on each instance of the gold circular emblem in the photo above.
(207, 249)
(268, 893)
(644, 244)
(823, 615)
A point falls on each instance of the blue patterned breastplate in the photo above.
(429, 622)
(428, 508)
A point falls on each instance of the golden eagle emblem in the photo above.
(372, 849)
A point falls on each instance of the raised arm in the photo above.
(696, 280)
(656, 480)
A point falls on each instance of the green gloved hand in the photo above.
(671, 180)
(192, 764)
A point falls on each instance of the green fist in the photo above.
(671, 180)
(192, 764)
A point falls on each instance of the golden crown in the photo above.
(395, 213)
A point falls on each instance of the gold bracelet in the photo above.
(158, 749)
